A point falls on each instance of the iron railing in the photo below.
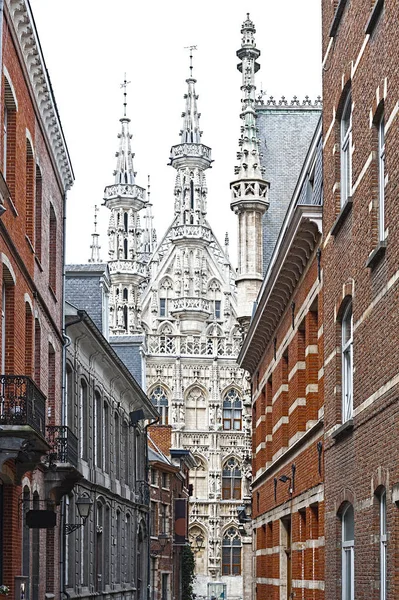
(64, 444)
(22, 403)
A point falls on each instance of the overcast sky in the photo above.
(89, 44)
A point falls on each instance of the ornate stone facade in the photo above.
(187, 310)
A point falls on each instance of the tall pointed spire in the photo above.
(95, 246)
(127, 262)
(190, 158)
(249, 191)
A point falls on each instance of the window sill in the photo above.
(337, 17)
(343, 430)
(52, 292)
(29, 244)
(339, 221)
(377, 254)
(373, 19)
(39, 264)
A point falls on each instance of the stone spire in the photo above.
(190, 158)
(95, 246)
(127, 268)
(250, 190)
(149, 233)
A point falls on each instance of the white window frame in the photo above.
(346, 150)
(348, 548)
(347, 364)
(381, 178)
(383, 545)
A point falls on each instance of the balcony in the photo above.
(22, 423)
(62, 473)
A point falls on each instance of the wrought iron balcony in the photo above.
(64, 445)
(22, 403)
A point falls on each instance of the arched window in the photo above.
(7, 321)
(26, 533)
(29, 191)
(195, 409)
(99, 547)
(125, 249)
(106, 438)
(98, 424)
(231, 480)
(83, 412)
(9, 135)
(125, 319)
(346, 149)
(382, 497)
(348, 553)
(141, 563)
(125, 221)
(232, 411)
(52, 250)
(231, 553)
(198, 479)
(347, 363)
(128, 549)
(125, 293)
(118, 545)
(117, 454)
(38, 212)
(160, 401)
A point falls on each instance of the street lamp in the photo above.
(83, 504)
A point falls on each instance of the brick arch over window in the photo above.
(8, 318)
(9, 134)
(159, 398)
(29, 190)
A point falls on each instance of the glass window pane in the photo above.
(349, 524)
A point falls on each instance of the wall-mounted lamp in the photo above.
(83, 504)
(197, 543)
(284, 479)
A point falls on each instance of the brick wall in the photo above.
(361, 460)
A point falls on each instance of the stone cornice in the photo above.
(299, 243)
(25, 30)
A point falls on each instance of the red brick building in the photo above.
(35, 173)
(283, 352)
(361, 290)
(169, 493)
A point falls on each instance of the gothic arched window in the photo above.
(160, 401)
(125, 249)
(232, 411)
(195, 409)
(125, 221)
(125, 293)
(231, 480)
(198, 479)
(231, 553)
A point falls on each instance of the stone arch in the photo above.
(199, 478)
(196, 408)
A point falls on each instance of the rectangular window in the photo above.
(153, 523)
(163, 519)
(162, 307)
(5, 140)
(346, 150)
(347, 364)
(153, 477)
(165, 480)
(218, 305)
(381, 179)
(52, 250)
(165, 586)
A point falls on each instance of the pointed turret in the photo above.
(190, 158)
(95, 243)
(127, 262)
(250, 190)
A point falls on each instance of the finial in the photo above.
(95, 246)
(124, 86)
(148, 189)
(96, 209)
(226, 239)
(191, 48)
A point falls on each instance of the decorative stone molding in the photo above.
(23, 23)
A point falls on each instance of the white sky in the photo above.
(89, 44)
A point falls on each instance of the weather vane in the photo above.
(124, 86)
(191, 48)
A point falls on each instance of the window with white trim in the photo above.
(347, 363)
(346, 150)
(348, 553)
(381, 178)
(383, 545)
